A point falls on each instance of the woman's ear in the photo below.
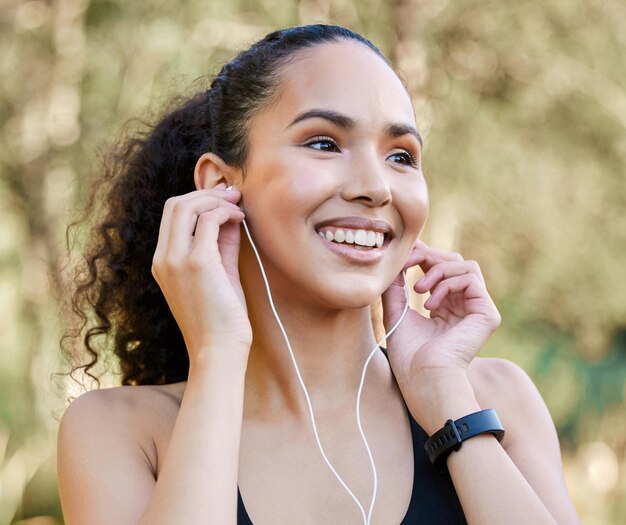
(211, 170)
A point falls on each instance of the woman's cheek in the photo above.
(314, 184)
(413, 205)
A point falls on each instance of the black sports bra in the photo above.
(433, 501)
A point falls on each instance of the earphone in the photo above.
(366, 518)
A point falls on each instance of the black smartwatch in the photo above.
(451, 436)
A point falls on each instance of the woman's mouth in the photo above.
(355, 238)
(359, 246)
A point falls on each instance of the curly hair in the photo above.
(116, 297)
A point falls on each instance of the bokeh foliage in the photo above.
(523, 106)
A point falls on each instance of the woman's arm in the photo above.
(434, 360)
(518, 481)
(104, 475)
(198, 480)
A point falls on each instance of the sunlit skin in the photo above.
(347, 163)
(300, 172)
(336, 144)
(241, 419)
(360, 158)
(299, 175)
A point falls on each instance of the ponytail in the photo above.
(116, 300)
(115, 280)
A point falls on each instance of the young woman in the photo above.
(316, 135)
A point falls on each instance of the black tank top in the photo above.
(433, 501)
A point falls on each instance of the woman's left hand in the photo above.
(462, 317)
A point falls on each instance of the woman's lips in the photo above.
(360, 256)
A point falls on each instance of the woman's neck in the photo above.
(330, 348)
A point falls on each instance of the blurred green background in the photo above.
(523, 108)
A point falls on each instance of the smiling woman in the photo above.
(218, 419)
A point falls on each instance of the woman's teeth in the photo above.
(359, 237)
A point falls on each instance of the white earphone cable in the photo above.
(366, 519)
(358, 399)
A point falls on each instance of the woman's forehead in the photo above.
(346, 77)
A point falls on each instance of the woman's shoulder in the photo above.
(496, 376)
(500, 382)
(530, 439)
(506, 387)
(136, 408)
(138, 415)
(129, 401)
(109, 443)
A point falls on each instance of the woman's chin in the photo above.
(345, 297)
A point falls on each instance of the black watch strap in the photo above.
(449, 438)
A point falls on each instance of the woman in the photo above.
(315, 134)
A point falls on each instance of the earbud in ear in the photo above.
(229, 188)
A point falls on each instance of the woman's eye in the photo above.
(323, 144)
(329, 145)
(407, 158)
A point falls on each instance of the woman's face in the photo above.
(335, 152)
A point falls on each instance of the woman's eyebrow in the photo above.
(397, 130)
(346, 122)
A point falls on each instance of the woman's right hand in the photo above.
(196, 266)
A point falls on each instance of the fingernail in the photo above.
(422, 280)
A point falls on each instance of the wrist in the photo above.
(443, 396)
(454, 433)
(207, 359)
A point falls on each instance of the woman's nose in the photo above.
(366, 181)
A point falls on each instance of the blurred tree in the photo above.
(523, 107)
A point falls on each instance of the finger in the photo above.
(219, 190)
(229, 241)
(415, 257)
(426, 257)
(393, 301)
(205, 244)
(394, 298)
(163, 239)
(468, 284)
(184, 217)
(431, 258)
(179, 200)
(446, 270)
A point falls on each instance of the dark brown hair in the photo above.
(116, 299)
